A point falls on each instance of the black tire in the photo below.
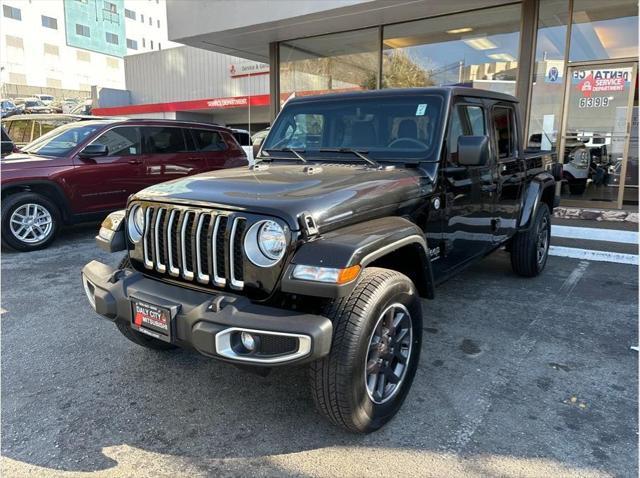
(16, 201)
(338, 380)
(527, 257)
(142, 339)
(133, 335)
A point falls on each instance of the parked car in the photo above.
(26, 128)
(257, 139)
(7, 144)
(82, 108)
(19, 102)
(46, 99)
(83, 170)
(35, 106)
(361, 204)
(7, 108)
(243, 138)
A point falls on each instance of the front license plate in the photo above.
(152, 320)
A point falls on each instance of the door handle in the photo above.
(134, 161)
(489, 188)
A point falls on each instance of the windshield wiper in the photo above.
(359, 154)
(288, 150)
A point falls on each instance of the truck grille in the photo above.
(195, 245)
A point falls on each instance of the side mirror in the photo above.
(473, 150)
(93, 151)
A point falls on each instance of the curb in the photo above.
(595, 214)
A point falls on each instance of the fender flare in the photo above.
(359, 244)
(60, 197)
(532, 197)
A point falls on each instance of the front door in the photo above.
(105, 182)
(469, 192)
(599, 111)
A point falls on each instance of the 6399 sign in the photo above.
(594, 102)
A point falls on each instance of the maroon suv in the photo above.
(82, 171)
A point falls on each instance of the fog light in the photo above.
(248, 341)
(90, 290)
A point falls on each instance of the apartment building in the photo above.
(64, 47)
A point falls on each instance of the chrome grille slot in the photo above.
(217, 251)
(195, 245)
(146, 245)
(185, 245)
(235, 241)
(158, 236)
(202, 268)
(172, 243)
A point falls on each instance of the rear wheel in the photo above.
(30, 221)
(377, 336)
(530, 249)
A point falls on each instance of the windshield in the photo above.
(34, 103)
(387, 128)
(60, 141)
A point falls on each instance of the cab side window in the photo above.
(121, 141)
(466, 120)
(20, 130)
(163, 140)
(208, 140)
(504, 131)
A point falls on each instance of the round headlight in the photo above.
(265, 243)
(135, 223)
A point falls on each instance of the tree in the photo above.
(400, 71)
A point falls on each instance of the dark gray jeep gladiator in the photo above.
(358, 206)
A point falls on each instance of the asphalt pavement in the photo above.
(518, 377)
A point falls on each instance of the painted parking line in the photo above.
(595, 234)
(591, 255)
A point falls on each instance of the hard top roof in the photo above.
(398, 92)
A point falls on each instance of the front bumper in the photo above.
(206, 321)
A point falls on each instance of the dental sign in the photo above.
(597, 88)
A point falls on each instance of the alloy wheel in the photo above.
(388, 353)
(31, 223)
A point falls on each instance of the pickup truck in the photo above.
(359, 205)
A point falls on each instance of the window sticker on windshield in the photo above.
(421, 109)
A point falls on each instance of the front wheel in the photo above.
(377, 336)
(30, 221)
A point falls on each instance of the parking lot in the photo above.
(517, 378)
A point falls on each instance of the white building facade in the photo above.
(64, 47)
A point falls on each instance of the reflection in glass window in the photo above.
(60, 141)
(466, 120)
(504, 131)
(124, 141)
(548, 80)
(159, 140)
(603, 30)
(338, 62)
(478, 49)
(208, 140)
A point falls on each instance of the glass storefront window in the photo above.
(548, 79)
(478, 49)
(337, 62)
(604, 30)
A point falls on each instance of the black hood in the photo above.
(332, 193)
